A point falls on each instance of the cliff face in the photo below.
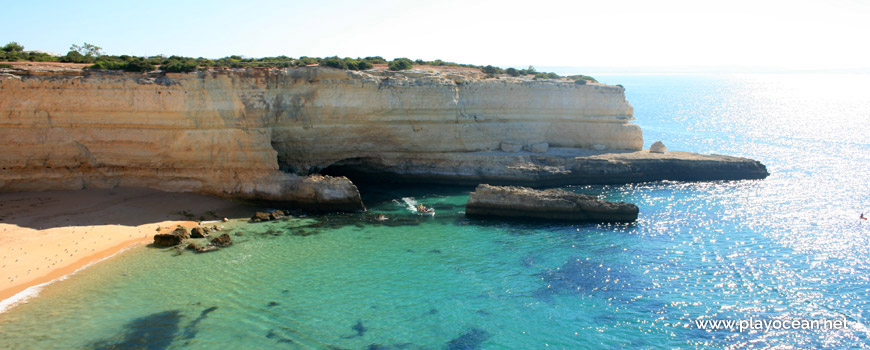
(232, 132)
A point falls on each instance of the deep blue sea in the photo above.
(789, 247)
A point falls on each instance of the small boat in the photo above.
(423, 210)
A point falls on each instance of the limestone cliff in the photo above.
(260, 133)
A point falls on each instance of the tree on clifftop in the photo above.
(86, 53)
(87, 50)
(13, 47)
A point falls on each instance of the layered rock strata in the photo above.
(555, 204)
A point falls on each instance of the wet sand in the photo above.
(47, 235)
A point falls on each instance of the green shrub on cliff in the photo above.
(582, 77)
(334, 62)
(550, 75)
(113, 65)
(179, 66)
(345, 63)
(13, 51)
(138, 65)
(126, 63)
(401, 64)
(490, 70)
(76, 57)
(375, 60)
(305, 60)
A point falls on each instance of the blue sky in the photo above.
(609, 35)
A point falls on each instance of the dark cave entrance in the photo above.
(361, 171)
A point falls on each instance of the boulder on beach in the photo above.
(524, 202)
(171, 239)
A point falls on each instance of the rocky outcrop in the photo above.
(658, 147)
(172, 238)
(269, 216)
(199, 232)
(263, 134)
(556, 204)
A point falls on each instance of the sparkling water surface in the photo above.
(790, 246)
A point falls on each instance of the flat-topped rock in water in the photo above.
(555, 167)
(555, 204)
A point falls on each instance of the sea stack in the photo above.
(554, 204)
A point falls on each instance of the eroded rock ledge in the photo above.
(555, 204)
(556, 167)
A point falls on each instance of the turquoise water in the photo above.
(789, 246)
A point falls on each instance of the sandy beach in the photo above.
(47, 235)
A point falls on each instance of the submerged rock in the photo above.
(469, 340)
(511, 201)
(359, 328)
(203, 249)
(580, 276)
(206, 249)
(171, 239)
(154, 331)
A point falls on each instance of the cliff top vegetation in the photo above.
(92, 54)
